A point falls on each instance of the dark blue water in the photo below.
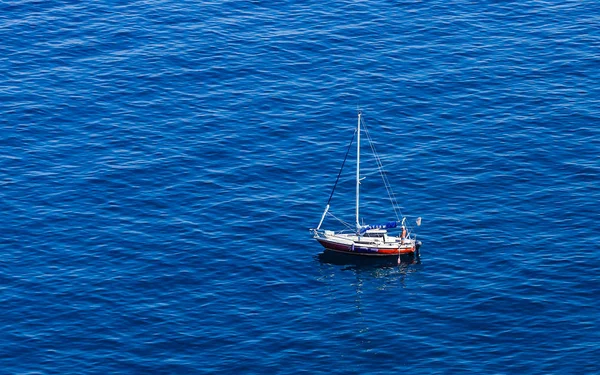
(161, 162)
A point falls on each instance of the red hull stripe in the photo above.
(374, 251)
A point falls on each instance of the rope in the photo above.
(344, 162)
(386, 182)
(351, 227)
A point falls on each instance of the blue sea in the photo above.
(161, 163)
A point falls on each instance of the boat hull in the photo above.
(365, 250)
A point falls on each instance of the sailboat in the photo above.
(363, 239)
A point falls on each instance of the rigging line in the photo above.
(351, 227)
(380, 166)
(344, 162)
(386, 181)
(380, 169)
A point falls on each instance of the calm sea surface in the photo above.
(162, 161)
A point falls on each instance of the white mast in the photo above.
(357, 172)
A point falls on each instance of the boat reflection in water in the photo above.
(349, 277)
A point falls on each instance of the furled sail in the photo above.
(388, 225)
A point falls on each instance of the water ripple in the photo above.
(161, 162)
